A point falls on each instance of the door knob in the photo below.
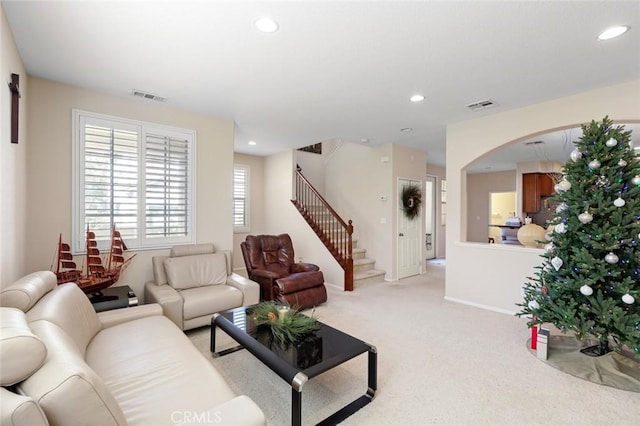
(401, 234)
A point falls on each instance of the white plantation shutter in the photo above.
(241, 198)
(134, 175)
(167, 186)
(110, 180)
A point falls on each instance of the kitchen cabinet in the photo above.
(534, 187)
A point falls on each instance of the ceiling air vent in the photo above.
(146, 95)
(477, 106)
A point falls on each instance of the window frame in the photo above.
(246, 227)
(80, 119)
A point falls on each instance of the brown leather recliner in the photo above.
(270, 262)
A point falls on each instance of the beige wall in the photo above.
(13, 164)
(256, 207)
(49, 158)
(280, 216)
(479, 188)
(492, 275)
(313, 166)
(357, 176)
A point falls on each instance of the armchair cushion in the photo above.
(196, 271)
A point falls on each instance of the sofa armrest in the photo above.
(304, 267)
(250, 289)
(167, 297)
(119, 316)
(240, 410)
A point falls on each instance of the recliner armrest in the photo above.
(167, 297)
(250, 289)
(263, 273)
(119, 316)
(304, 267)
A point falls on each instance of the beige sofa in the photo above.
(63, 364)
(194, 282)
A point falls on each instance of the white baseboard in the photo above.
(479, 305)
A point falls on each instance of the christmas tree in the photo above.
(589, 280)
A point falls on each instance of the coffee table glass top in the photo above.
(319, 352)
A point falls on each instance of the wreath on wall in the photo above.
(411, 197)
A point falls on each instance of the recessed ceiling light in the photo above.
(406, 129)
(252, 143)
(417, 98)
(612, 33)
(266, 25)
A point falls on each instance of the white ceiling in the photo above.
(335, 69)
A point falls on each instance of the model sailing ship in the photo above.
(94, 276)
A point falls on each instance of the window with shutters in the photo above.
(240, 198)
(135, 176)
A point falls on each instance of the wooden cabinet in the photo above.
(534, 187)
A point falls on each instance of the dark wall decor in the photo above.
(411, 197)
(316, 148)
(14, 86)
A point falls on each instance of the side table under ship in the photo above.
(325, 349)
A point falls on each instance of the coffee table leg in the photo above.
(296, 407)
(213, 337)
(373, 372)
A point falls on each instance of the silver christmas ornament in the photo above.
(611, 258)
(549, 247)
(563, 185)
(533, 305)
(594, 164)
(575, 155)
(628, 299)
(611, 143)
(585, 217)
(586, 290)
(622, 163)
(562, 207)
(557, 263)
(560, 228)
(619, 202)
(635, 180)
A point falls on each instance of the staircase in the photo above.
(364, 271)
(335, 234)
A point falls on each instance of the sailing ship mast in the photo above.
(96, 277)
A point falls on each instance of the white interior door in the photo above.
(430, 217)
(409, 236)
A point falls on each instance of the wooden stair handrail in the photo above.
(336, 234)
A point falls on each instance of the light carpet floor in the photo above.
(439, 363)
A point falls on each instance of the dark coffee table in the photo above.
(296, 364)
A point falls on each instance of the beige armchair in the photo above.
(194, 282)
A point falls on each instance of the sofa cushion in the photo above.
(25, 292)
(21, 352)
(159, 375)
(70, 309)
(196, 271)
(19, 410)
(67, 390)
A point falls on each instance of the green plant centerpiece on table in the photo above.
(286, 323)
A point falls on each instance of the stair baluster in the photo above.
(333, 231)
